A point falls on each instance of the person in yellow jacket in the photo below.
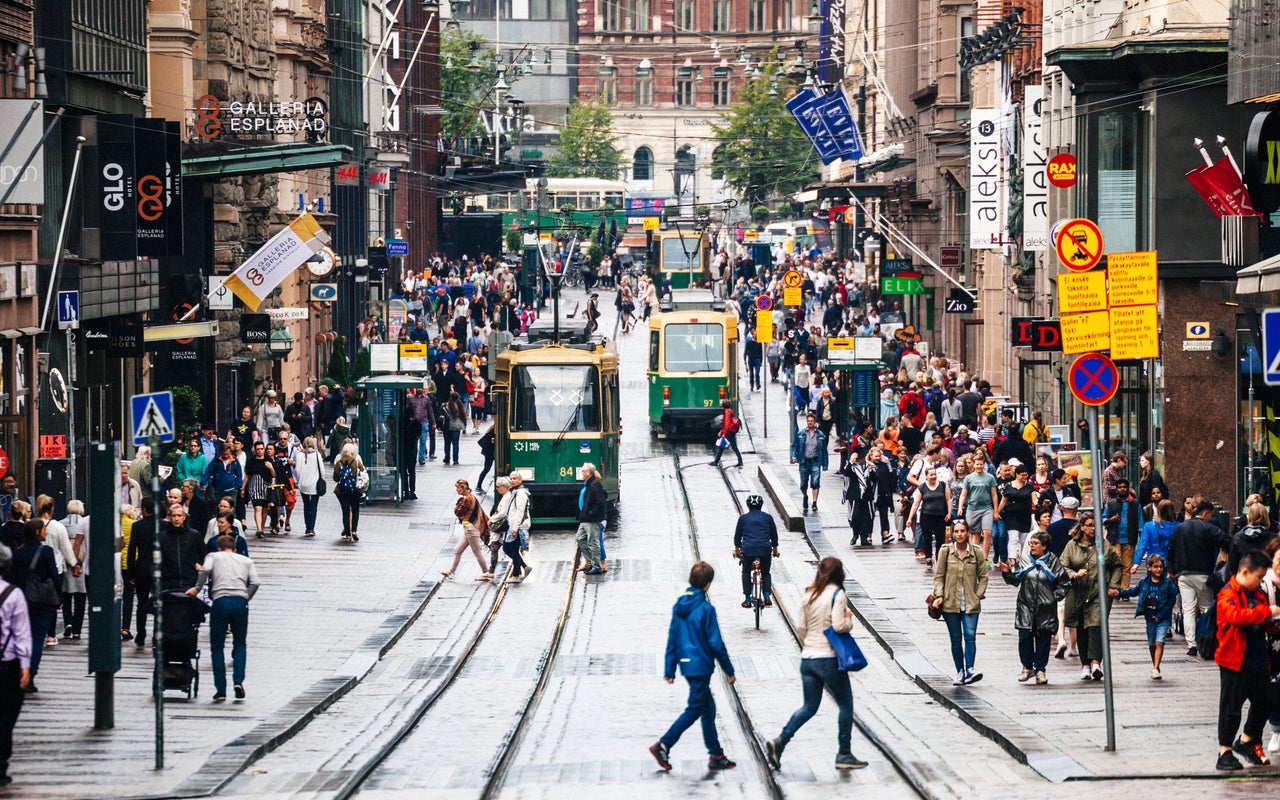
(1035, 431)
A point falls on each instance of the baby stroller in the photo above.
(182, 617)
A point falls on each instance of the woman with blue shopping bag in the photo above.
(827, 655)
(728, 435)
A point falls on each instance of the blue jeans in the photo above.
(310, 503)
(815, 673)
(999, 540)
(1033, 649)
(962, 650)
(603, 523)
(701, 706)
(41, 618)
(233, 612)
(1157, 630)
(753, 367)
(451, 441)
(422, 442)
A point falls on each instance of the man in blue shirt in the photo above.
(1123, 520)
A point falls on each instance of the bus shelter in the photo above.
(856, 364)
(382, 408)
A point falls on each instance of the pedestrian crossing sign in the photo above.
(152, 416)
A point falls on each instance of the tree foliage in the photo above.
(463, 88)
(586, 148)
(762, 150)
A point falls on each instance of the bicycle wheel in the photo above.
(757, 599)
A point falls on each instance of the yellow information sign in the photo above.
(1132, 278)
(840, 343)
(652, 223)
(750, 236)
(1134, 333)
(413, 350)
(764, 328)
(1085, 333)
(1082, 291)
(792, 297)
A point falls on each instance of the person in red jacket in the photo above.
(1241, 654)
(728, 433)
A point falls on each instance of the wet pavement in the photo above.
(360, 652)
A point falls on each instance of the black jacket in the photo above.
(298, 415)
(1250, 537)
(1135, 520)
(1194, 547)
(886, 482)
(181, 549)
(595, 502)
(142, 543)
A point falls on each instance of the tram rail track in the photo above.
(351, 787)
(905, 770)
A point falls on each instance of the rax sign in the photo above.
(1041, 335)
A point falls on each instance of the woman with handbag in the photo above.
(959, 584)
(475, 530)
(1041, 582)
(35, 571)
(311, 483)
(825, 608)
(507, 521)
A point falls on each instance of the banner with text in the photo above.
(1035, 184)
(276, 260)
(986, 193)
(807, 106)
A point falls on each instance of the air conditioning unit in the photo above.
(8, 281)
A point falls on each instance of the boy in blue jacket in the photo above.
(693, 642)
(1156, 596)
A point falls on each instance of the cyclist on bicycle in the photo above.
(756, 537)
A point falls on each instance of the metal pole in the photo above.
(555, 307)
(62, 227)
(71, 413)
(766, 391)
(157, 599)
(21, 127)
(1100, 543)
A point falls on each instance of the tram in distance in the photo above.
(693, 364)
(557, 406)
(681, 256)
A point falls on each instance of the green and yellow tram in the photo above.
(693, 363)
(683, 257)
(557, 407)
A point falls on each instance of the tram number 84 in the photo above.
(568, 472)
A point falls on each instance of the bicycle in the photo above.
(757, 591)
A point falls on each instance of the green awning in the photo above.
(290, 157)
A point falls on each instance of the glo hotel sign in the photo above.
(831, 41)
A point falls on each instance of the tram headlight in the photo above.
(525, 473)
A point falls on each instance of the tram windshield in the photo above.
(555, 398)
(694, 347)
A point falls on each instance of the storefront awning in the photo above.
(1259, 278)
(290, 157)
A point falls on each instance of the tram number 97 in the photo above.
(708, 403)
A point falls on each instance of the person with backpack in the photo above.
(35, 572)
(1253, 536)
(350, 479)
(728, 433)
(1083, 610)
(694, 643)
(15, 660)
(1194, 548)
(1244, 673)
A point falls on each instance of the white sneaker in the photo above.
(959, 681)
(1041, 678)
(1086, 674)
(1024, 675)
(1155, 675)
(1274, 744)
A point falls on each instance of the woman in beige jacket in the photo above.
(825, 606)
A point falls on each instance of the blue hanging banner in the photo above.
(840, 122)
(807, 107)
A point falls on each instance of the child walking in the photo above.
(1156, 597)
(693, 642)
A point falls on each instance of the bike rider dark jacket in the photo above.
(593, 502)
(756, 534)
